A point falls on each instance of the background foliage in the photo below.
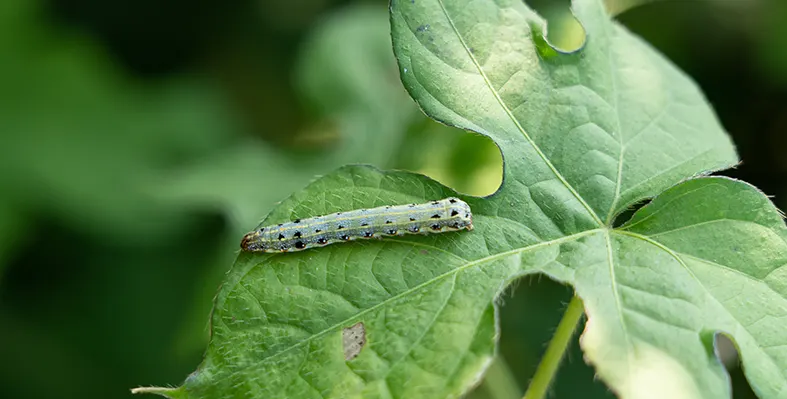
(139, 140)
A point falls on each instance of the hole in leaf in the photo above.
(724, 348)
(726, 351)
(626, 215)
(563, 32)
(468, 162)
(523, 339)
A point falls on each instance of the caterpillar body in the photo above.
(450, 214)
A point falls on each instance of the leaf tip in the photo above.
(172, 393)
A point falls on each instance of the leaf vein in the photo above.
(619, 306)
(426, 329)
(515, 121)
(707, 292)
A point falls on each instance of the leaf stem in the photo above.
(556, 350)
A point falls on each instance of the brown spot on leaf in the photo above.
(353, 340)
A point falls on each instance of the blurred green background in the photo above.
(140, 139)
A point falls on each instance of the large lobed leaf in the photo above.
(584, 135)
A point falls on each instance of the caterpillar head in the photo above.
(252, 242)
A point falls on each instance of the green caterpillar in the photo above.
(450, 214)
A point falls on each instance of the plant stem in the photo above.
(556, 350)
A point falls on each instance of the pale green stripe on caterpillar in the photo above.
(449, 214)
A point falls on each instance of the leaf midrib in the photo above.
(619, 306)
(622, 151)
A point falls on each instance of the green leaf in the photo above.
(600, 128)
(706, 256)
(584, 135)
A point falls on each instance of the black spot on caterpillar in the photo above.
(449, 214)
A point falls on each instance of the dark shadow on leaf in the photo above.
(626, 215)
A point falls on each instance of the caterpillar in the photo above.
(450, 214)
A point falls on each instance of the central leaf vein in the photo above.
(619, 306)
(621, 151)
